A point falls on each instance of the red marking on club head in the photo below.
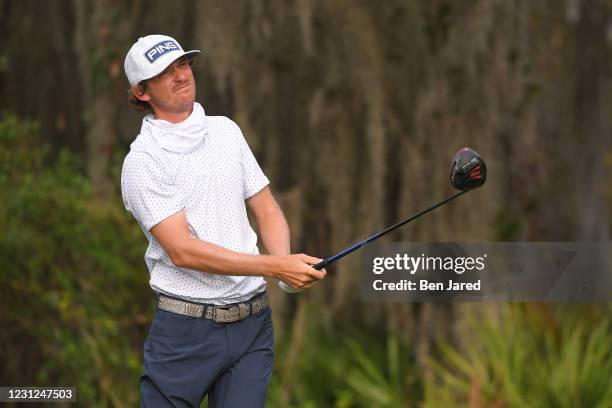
(475, 174)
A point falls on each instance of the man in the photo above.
(188, 180)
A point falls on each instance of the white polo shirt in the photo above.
(211, 182)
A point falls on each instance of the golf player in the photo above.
(188, 180)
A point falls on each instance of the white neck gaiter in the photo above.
(183, 137)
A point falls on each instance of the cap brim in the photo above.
(192, 52)
(186, 53)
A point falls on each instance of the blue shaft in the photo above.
(328, 261)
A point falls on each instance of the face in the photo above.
(172, 92)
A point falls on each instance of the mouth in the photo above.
(181, 88)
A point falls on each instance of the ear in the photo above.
(140, 93)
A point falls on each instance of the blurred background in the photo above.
(354, 110)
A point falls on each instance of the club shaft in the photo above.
(328, 261)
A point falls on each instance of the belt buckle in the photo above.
(243, 311)
(227, 316)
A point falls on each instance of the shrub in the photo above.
(512, 362)
(73, 289)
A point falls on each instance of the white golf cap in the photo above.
(150, 55)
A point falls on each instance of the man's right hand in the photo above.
(297, 271)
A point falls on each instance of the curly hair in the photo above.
(137, 104)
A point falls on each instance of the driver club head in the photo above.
(468, 170)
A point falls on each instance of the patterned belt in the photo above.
(218, 314)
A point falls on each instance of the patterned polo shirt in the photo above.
(211, 183)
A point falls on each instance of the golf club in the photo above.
(468, 171)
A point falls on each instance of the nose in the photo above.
(179, 73)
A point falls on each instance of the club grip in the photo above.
(288, 289)
(323, 264)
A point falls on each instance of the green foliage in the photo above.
(73, 281)
(350, 369)
(391, 385)
(523, 356)
(513, 362)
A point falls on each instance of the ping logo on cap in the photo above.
(160, 49)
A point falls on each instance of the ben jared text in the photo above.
(441, 266)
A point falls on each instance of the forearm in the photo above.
(274, 232)
(191, 253)
(205, 256)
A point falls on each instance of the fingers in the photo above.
(320, 274)
(312, 277)
(300, 284)
(317, 274)
(299, 273)
(310, 260)
(306, 280)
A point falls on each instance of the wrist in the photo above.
(270, 266)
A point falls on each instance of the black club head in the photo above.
(468, 170)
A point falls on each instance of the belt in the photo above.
(218, 314)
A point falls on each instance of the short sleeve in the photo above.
(148, 193)
(253, 177)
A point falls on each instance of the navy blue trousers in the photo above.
(186, 359)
